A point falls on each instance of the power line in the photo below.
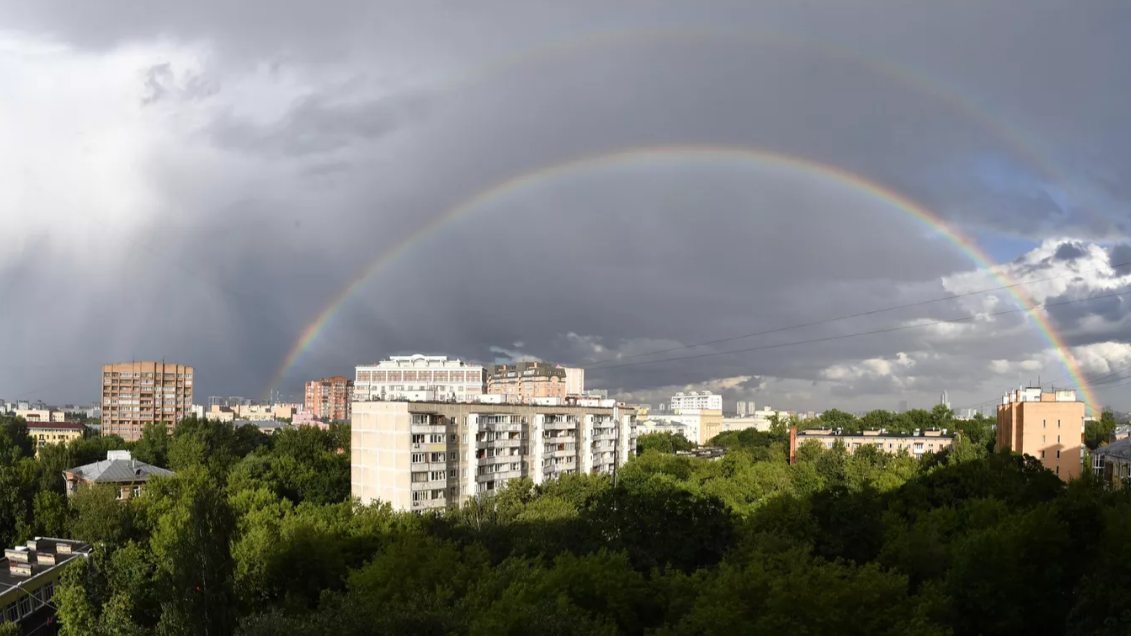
(863, 333)
(856, 315)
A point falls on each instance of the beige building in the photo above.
(54, 432)
(40, 415)
(915, 445)
(424, 455)
(138, 393)
(419, 378)
(1045, 425)
(575, 381)
(251, 412)
(521, 382)
(699, 425)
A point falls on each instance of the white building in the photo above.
(419, 378)
(427, 455)
(575, 381)
(696, 400)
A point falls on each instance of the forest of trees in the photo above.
(256, 535)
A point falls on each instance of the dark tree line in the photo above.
(257, 536)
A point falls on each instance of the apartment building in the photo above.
(426, 455)
(28, 575)
(138, 393)
(575, 381)
(699, 426)
(329, 398)
(915, 444)
(54, 433)
(1046, 425)
(419, 378)
(523, 381)
(696, 400)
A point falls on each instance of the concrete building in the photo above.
(138, 393)
(419, 378)
(54, 432)
(28, 576)
(521, 382)
(219, 413)
(329, 398)
(119, 469)
(1045, 425)
(742, 409)
(696, 400)
(915, 444)
(424, 455)
(699, 425)
(575, 381)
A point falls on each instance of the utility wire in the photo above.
(856, 315)
(863, 333)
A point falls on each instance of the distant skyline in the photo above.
(298, 188)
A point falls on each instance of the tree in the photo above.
(99, 516)
(663, 442)
(153, 445)
(835, 419)
(1098, 433)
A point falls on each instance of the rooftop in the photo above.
(1119, 448)
(118, 467)
(824, 432)
(40, 555)
(70, 426)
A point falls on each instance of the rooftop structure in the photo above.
(696, 400)
(1048, 425)
(28, 574)
(419, 378)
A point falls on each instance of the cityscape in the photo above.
(502, 318)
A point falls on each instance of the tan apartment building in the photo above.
(138, 393)
(916, 444)
(523, 381)
(329, 398)
(41, 415)
(1045, 425)
(427, 455)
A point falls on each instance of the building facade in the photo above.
(419, 378)
(696, 400)
(1112, 463)
(54, 432)
(425, 455)
(916, 444)
(520, 382)
(575, 381)
(138, 393)
(699, 426)
(329, 398)
(28, 576)
(1045, 425)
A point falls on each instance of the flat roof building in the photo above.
(1046, 425)
(328, 399)
(523, 381)
(28, 574)
(427, 455)
(916, 444)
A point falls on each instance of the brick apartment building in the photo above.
(329, 398)
(138, 393)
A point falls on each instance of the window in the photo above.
(121, 493)
(417, 439)
(25, 605)
(436, 439)
(1058, 454)
(12, 613)
(418, 458)
(438, 475)
(452, 438)
(419, 478)
(136, 491)
(452, 456)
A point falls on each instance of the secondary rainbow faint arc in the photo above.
(684, 153)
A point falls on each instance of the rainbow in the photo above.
(685, 153)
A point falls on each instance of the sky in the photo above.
(583, 183)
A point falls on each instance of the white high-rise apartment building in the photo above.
(696, 400)
(419, 378)
(425, 455)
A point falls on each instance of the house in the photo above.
(118, 469)
(1112, 463)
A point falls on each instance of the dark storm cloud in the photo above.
(677, 254)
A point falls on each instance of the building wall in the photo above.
(575, 381)
(138, 393)
(329, 398)
(913, 445)
(525, 381)
(44, 434)
(423, 455)
(416, 376)
(696, 400)
(1046, 426)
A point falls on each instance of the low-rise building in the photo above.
(37, 415)
(1112, 463)
(699, 425)
(426, 455)
(54, 432)
(915, 444)
(28, 576)
(119, 469)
